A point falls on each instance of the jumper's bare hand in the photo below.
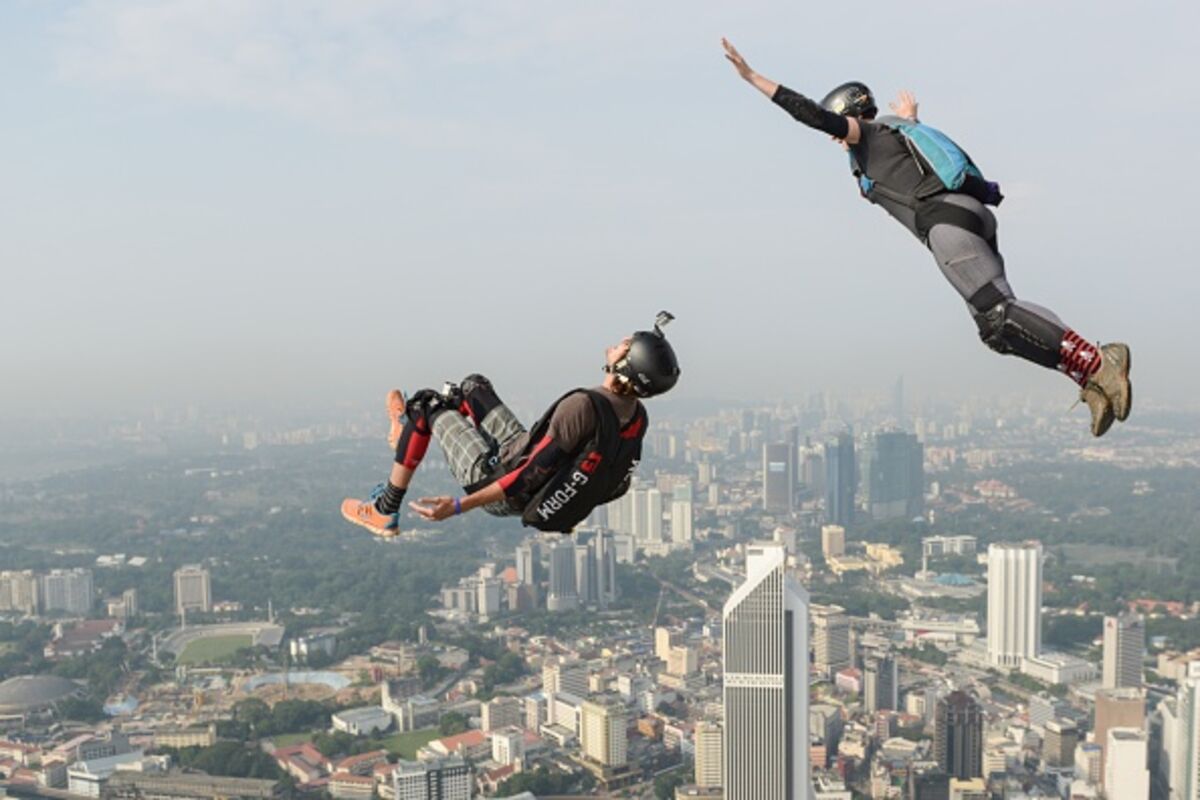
(736, 59)
(905, 105)
(434, 509)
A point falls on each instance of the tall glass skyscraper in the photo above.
(894, 475)
(765, 654)
(841, 479)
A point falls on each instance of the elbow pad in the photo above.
(810, 113)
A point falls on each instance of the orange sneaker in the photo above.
(364, 513)
(395, 412)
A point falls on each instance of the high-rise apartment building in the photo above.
(779, 480)
(894, 476)
(67, 590)
(1179, 759)
(1014, 603)
(562, 595)
(958, 736)
(20, 591)
(765, 657)
(841, 480)
(440, 779)
(1124, 644)
(682, 516)
(585, 574)
(831, 639)
(501, 712)
(602, 732)
(708, 754)
(606, 568)
(193, 589)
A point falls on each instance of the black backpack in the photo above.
(598, 472)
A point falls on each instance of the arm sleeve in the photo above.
(810, 113)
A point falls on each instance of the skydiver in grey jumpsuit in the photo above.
(960, 231)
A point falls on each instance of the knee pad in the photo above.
(479, 397)
(1007, 327)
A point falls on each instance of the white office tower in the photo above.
(68, 590)
(765, 658)
(440, 779)
(681, 521)
(1125, 774)
(1124, 643)
(602, 734)
(1014, 603)
(1180, 764)
(193, 589)
(708, 755)
(606, 568)
(562, 595)
(585, 575)
(831, 639)
(527, 563)
(570, 677)
(654, 516)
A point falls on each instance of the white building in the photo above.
(193, 589)
(68, 590)
(708, 755)
(681, 521)
(568, 676)
(1014, 603)
(362, 721)
(562, 595)
(1053, 667)
(1180, 755)
(1124, 645)
(765, 660)
(1125, 773)
(501, 712)
(508, 746)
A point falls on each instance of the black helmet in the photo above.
(852, 99)
(650, 366)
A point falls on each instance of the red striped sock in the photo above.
(1078, 357)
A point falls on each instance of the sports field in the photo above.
(213, 649)
(406, 745)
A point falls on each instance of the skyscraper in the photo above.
(1058, 745)
(1014, 603)
(193, 589)
(708, 754)
(602, 735)
(841, 478)
(958, 736)
(527, 563)
(1181, 737)
(1124, 643)
(585, 574)
(765, 656)
(654, 515)
(881, 684)
(894, 475)
(779, 481)
(681, 514)
(831, 639)
(562, 595)
(606, 568)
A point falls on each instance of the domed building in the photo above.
(26, 695)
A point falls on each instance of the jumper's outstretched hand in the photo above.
(434, 509)
(905, 105)
(736, 59)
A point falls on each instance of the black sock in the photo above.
(389, 502)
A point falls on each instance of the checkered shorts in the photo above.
(473, 453)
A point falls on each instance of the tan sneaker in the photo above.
(1113, 378)
(1100, 406)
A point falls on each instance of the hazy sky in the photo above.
(218, 199)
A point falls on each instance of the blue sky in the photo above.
(226, 202)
